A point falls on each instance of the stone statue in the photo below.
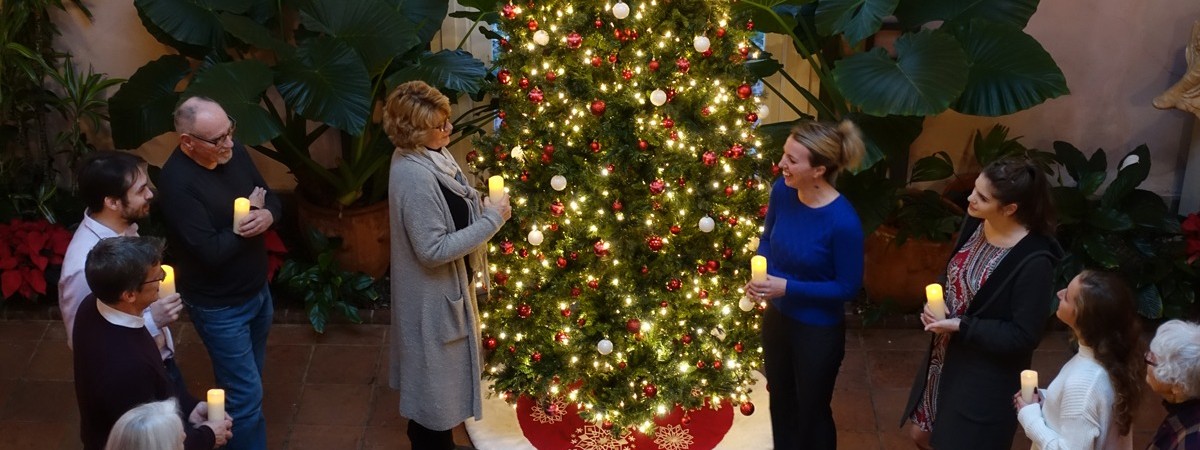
(1185, 94)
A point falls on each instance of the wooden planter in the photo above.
(900, 273)
(364, 232)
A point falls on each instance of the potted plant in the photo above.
(1126, 229)
(29, 250)
(324, 286)
(298, 69)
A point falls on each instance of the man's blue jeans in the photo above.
(236, 337)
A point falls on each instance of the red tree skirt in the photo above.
(557, 426)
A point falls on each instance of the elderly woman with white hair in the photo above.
(151, 426)
(1174, 373)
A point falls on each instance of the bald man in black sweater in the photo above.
(117, 364)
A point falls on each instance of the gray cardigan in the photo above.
(435, 356)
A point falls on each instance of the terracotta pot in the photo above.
(900, 273)
(364, 232)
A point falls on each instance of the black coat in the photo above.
(994, 343)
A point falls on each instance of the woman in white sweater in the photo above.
(1090, 404)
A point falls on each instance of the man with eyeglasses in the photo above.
(116, 191)
(220, 267)
(117, 365)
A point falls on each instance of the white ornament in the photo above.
(764, 111)
(701, 43)
(535, 237)
(541, 37)
(620, 10)
(558, 182)
(658, 97)
(753, 244)
(518, 154)
(746, 304)
(604, 347)
(707, 224)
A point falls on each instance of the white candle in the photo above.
(241, 209)
(758, 268)
(1029, 381)
(216, 404)
(167, 286)
(495, 187)
(937, 303)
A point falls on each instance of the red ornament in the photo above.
(733, 220)
(663, 304)
(739, 347)
(707, 53)
(581, 322)
(752, 117)
(500, 278)
(560, 336)
(670, 94)
(627, 74)
(611, 168)
(750, 26)
(504, 44)
(524, 83)
(551, 76)
(472, 156)
(745, 51)
(574, 40)
(509, 12)
(595, 147)
(709, 158)
(617, 206)
(657, 186)
(674, 135)
(643, 145)
(650, 390)
(729, 191)
(683, 65)
(716, 364)
(744, 91)
(536, 356)
(712, 265)
(504, 76)
(598, 23)
(686, 339)
(536, 96)
(607, 425)
(576, 291)
(700, 269)
(633, 325)
(574, 256)
(594, 284)
(750, 184)
(645, 270)
(490, 343)
(597, 107)
(737, 151)
(655, 243)
(506, 247)
(686, 420)
(502, 115)
(667, 122)
(681, 181)
(746, 408)
(721, 32)
(532, 25)
(727, 253)
(512, 349)
(566, 312)
(675, 229)
(622, 364)
(597, 61)
(674, 285)
(562, 262)
(612, 59)
(548, 148)
(524, 311)
(653, 65)
(706, 111)
(524, 252)
(700, 364)
(524, 175)
(762, 211)
(547, 157)
(775, 170)
(618, 34)
(600, 248)
(557, 208)
(703, 295)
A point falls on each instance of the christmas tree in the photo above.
(627, 144)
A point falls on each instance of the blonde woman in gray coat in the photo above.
(439, 232)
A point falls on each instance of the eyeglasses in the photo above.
(217, 141)
(162, 275)
(1150, 359)
(445, 126)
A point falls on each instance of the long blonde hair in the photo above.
(413, 112)
(151, 426)
(834, 147)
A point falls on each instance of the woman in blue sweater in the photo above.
(813, 242)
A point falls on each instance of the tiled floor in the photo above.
(330, 391)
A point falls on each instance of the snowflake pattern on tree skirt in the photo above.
(591, 437)
(672, 437)
(542, 415)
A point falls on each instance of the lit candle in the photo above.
(167, 286)
(216, 404)
(1029, 383)
(758, 268)
(937, 304)
(495, 187)
(241, 209)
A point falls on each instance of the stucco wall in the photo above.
(1117, 56)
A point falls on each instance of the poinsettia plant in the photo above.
(1191, 234)
(27, 249)
(276, 252)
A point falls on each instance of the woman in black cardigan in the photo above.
(999, 285)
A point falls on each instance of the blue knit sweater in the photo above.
(819, 251)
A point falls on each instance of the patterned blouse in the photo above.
(1180, 430)
(965, 273)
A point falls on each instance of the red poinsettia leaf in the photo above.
(37, 280)
(60, 239)
(10, 281)
(1191, 225)
(39, 261)
(8, 262)
(56, 260)
(273, 265)
(36, 240)
(274, 243)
